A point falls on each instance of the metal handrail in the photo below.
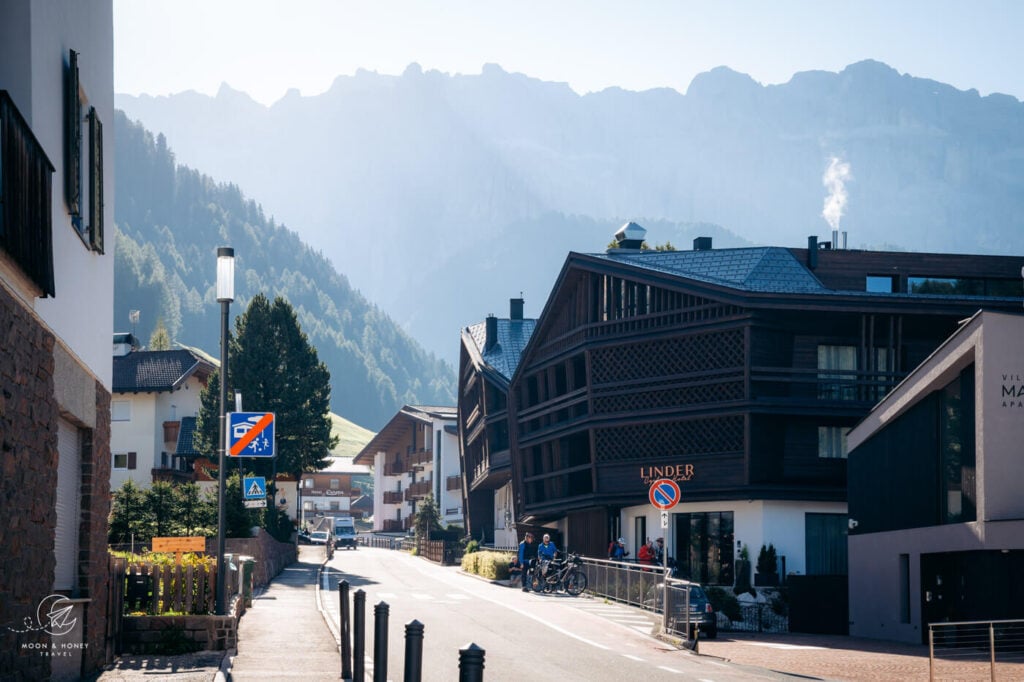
(968, 638)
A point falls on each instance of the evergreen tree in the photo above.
(160, 503)
(273, 366)
(160, 339)
(129, 517)
(427, 518)
(193, 513)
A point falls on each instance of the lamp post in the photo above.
(225, 294)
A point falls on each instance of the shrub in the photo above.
(493, 565)
(726, 603)
(472, 546)
(767, 560)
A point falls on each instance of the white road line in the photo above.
(422, 597)
(668, 669)
(633, 658)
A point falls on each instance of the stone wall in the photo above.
(271, 556)
(36, 371)
(178, 634)
(28, 481)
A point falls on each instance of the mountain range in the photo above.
(170, 219)
(441, 196)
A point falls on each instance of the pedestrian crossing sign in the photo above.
(254, 487)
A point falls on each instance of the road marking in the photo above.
(422, 597)
(633, 658)
(787, 647)
(668, 669)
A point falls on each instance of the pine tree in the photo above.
(160, 339)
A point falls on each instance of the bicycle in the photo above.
(560, 575)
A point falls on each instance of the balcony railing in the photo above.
(395, 468)
(26, 185)
(393, 497)
(417, 490)
(453, 483)
(421, 457)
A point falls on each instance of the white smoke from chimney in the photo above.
(834, 179)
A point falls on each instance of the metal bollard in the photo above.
(471, 663)
(346, 644)
(359, 636)
(413, 651)
(380, 642)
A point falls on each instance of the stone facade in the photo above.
(32, 365)
(172, 634)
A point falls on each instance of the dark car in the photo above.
(702, 613)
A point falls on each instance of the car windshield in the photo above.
(320, 535)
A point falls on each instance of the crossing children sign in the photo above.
(251, 434)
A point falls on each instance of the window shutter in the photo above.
(73, 140)
(131, 460)
(95, 181)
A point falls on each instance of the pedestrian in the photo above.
(617, 550)
(546, 551)
(525, 559)
(659, 551)
(646, 553)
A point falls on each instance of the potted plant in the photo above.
(767, 567)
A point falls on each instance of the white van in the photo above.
(345, 532)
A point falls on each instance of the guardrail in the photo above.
(974, 647)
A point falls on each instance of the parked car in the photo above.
(319, 537)
(702, 613)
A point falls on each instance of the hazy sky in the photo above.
(265, 47)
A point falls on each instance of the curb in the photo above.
(320, 605)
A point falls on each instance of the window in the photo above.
(956, 450)
(883, 284)
(124, 460)
(837, 372)
(84, 204)
(334, 505)
(335, 483)
(120, 410)
(832, 442)
(67, 506)
(825, 543)
(308, 483)
(307, 505)
(904, 588)
(705, 546)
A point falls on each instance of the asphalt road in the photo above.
(525, 636)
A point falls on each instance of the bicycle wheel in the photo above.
(575, 583)
(537, 581)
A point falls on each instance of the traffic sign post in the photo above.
(254, 489)
(251, 434)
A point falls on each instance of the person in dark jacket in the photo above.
(525, 559)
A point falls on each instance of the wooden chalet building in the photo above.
(735, 372)
(488, 357)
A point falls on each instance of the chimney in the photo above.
(515, 308)
(702, 244)
(835, 239)
(491, 337)
(812, 251)
(844, 240)
(630, 237)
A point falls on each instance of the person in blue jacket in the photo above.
(525, 559)
(546, 550)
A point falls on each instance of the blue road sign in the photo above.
(254, 487)
(251, 434)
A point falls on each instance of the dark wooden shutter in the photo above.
(73, 141)
(131, 460)
(95, 181)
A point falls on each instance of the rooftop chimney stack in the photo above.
(491, 335)
(812, 251)
(630, 237)
(702, 244)
(515, 308)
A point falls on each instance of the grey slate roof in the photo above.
(186, 436)
(761, 269)
(157, 370)
(513, 335)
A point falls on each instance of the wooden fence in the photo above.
(154, 589)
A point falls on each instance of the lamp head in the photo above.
(225, 274)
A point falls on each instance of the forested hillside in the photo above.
(170, 220)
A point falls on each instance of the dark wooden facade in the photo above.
(633, 367)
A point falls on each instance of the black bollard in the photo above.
(413, 651)
(380, 642)
(471, 663)
(359, 636)
(346, 643)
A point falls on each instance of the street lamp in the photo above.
(225, 294)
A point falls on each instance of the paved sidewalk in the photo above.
(283, 635)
